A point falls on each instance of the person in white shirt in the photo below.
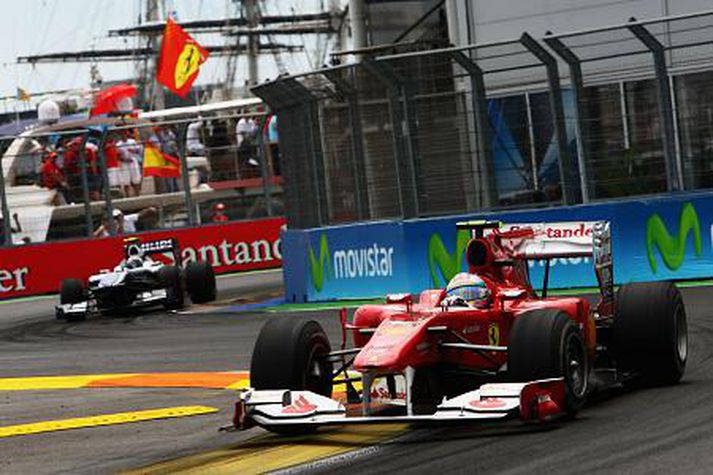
(131, 156)
(194, 146)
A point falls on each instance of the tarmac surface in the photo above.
(652, 430)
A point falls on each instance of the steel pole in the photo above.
(673, 178)
(569, 192)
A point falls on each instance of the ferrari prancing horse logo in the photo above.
(493, 334)
(187, 64)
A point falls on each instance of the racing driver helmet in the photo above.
(468, 288)
(135, 258)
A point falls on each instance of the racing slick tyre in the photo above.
(650, 333)
(72, 291)
(170, 279)
(290, 354)
(200, 282)
(548, 344)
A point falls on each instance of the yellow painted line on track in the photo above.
(105, 420)
(271, 452)
(54, 382)
(206, 380)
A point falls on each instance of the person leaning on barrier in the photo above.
(194, 146)
(52, 178)
(130, 164)
(111, 155)
(144, 220)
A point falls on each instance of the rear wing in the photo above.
(158, 246)
(546, 241)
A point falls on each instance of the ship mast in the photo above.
(153, 92)
(251, 24)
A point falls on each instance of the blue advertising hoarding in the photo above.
(653, 239)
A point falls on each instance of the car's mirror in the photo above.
(399, 298)
(512, 294)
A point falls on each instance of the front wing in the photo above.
(534, 401)
(149, 297)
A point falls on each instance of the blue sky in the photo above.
(44, 26)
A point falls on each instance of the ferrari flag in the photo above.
(157, 163)
(180, 59)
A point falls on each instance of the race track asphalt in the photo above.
(659, 430)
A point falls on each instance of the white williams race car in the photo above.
(144, 278)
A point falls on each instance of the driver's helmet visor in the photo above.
(134, 262)
(469, 287)
(469, 293)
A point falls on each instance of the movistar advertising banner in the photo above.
(653, 239)
(352, 261)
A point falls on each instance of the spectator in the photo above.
(144, 220)
(130, 155)
(103, 229)
(219, 214)
(111, 156)
(52, 178)
(71, 168)
(169, 146)
(243, 130)
(194, 146)
(272, 136)
(94, 177)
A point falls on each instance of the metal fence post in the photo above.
(673, 177)
(105, 182)
(401, 121)
(569, 192)
(348, 92)
(185, 178)
(264, 172)
(315, 150)
(86, 199)
(484, 169)
(581, 132)
(6, 222)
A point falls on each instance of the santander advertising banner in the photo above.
(231, 247)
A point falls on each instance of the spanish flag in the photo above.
(157, 163)
(180, 59)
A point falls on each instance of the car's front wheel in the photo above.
(548, 344)
(290, 354)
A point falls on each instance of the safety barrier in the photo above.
(656, 238)
(232, 247)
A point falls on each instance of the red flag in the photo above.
(180, 59)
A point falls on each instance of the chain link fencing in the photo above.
(577, 117)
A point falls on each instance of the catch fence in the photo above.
(576, 117)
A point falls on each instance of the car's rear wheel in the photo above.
(548, 344)
(200, 282)
(290, 354)
(650, 333)
(170, 279)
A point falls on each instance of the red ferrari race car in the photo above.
(488, 346)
